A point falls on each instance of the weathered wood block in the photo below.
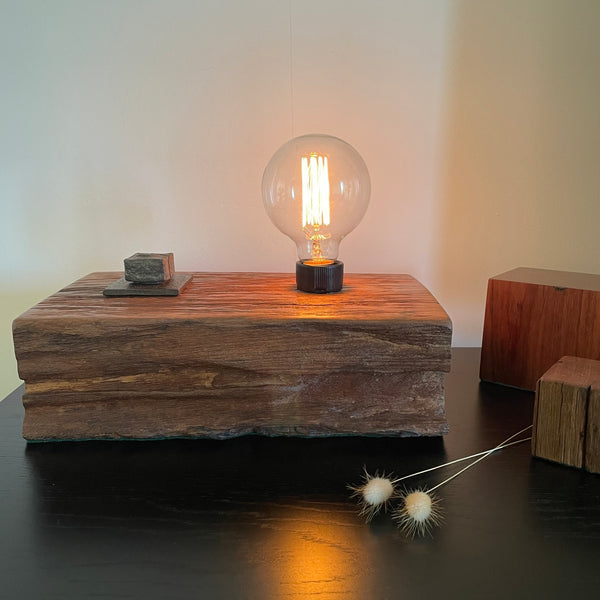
(235, 354)
(149, 268)
(566, 420)
(533, 317)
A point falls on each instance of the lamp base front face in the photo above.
(320, 279)
(309, 378)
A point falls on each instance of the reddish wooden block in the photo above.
(533, 317)
(566, 419)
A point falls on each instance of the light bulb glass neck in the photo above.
(318, 262)
(318, 248)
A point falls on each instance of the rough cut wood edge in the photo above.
(416, 407)
(36, 427)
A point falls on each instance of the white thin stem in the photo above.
(457, 460)
(485, 455)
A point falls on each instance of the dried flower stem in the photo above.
(483, 454)
(419, 509)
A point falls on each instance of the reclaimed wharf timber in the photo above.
(235, 354)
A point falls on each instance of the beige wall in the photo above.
(145, 126)
(520, 183)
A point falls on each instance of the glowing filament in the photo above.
(315, 191)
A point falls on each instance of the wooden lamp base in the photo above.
(235, 354)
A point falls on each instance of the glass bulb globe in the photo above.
(316, 189)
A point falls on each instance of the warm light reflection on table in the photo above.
(311, 551)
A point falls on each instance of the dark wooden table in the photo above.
(271, 518)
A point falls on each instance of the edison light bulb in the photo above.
(316, 189)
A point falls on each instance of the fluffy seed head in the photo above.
(418, 513)
(418, 506)
(373, 495)
(378, 490)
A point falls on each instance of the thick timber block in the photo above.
(566, 421)
(235, 354)
(533, 317)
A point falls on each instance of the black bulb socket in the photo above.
(319, 278)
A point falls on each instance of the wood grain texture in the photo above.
(235, 354)
(533, 318)
(566, 422)
(592, 435)
(339, 404)
(265, 296)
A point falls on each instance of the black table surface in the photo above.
(262, 518)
